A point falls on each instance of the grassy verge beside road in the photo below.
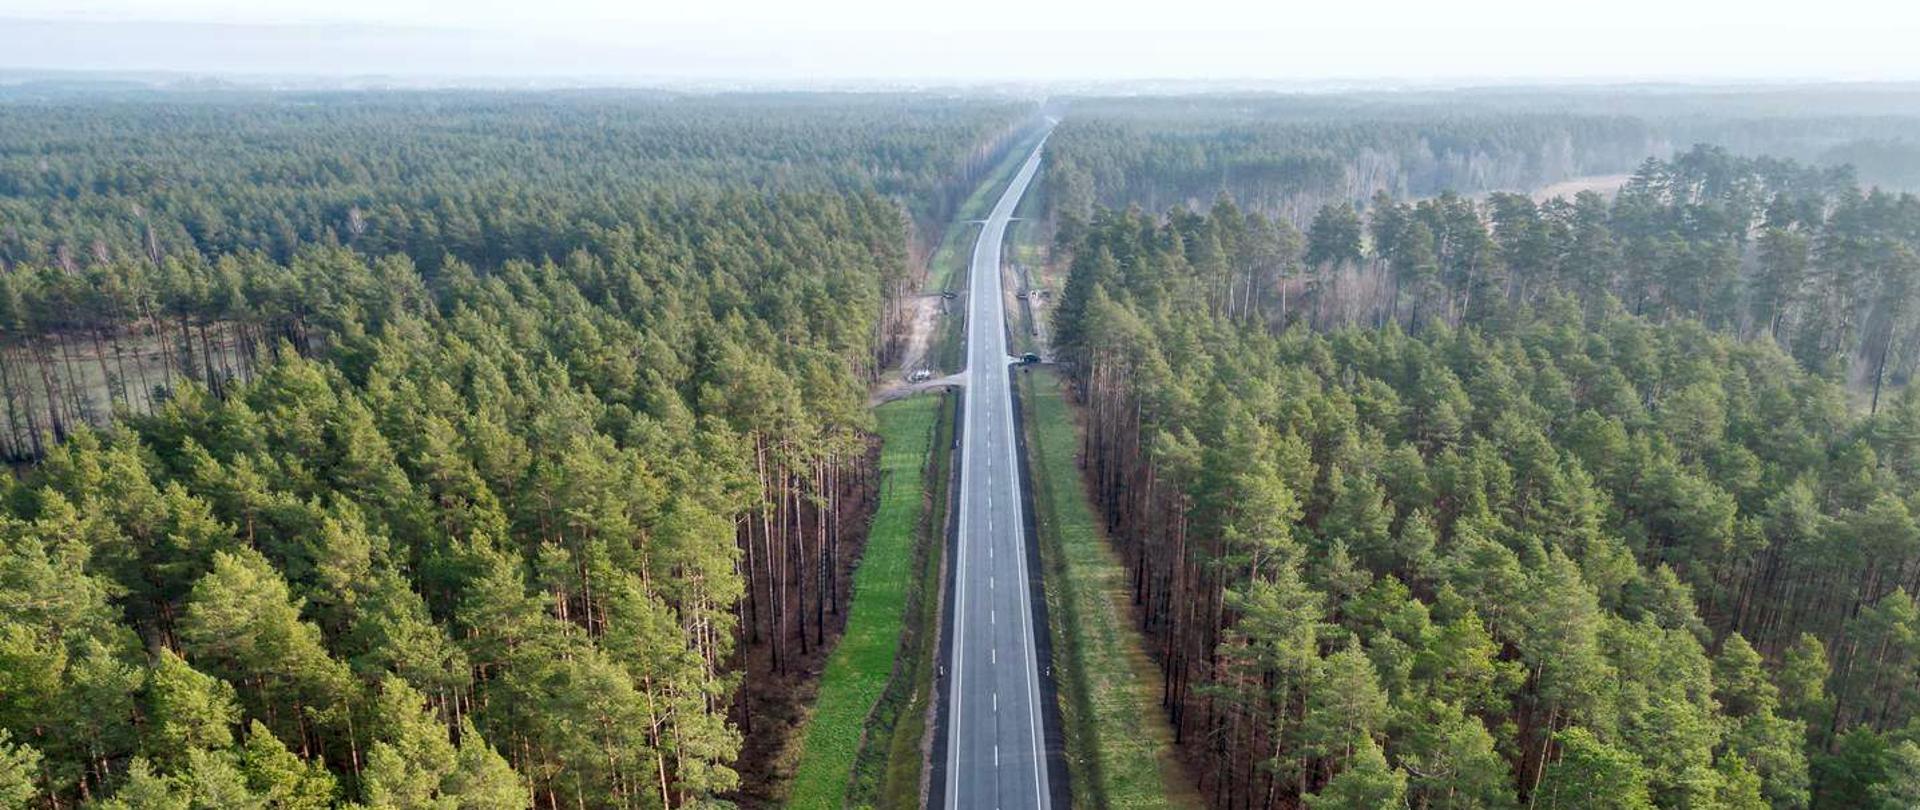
(887, 774)
(870, 692)
(948, 267)
(950, 345)
(1119, 747)
(1026, 252)
(1025, 255)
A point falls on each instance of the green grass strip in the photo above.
(1119, 746)
(859, 668)
(950, 259)
(887, 774)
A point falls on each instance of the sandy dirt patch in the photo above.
(1606, 184)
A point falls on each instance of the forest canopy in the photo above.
(438, 450)
(482, 176)
(488, 449)
(1486, 504)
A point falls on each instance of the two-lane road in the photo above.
(995, 731)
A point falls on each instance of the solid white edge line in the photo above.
(1009, 200)
(1042, 798)
(960, 577)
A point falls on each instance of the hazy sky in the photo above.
(915, 40)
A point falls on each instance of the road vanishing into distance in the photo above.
(995, 735)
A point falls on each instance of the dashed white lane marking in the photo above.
(983, 339)
(993, 656)
(990, 617)
(996, 701)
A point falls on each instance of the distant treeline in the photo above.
(1755, 246)
(482, 177)
(1285, 155)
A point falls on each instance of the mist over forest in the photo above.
(448, 441)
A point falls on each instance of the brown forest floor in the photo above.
(771, 706)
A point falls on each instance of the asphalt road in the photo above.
(995, 736)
